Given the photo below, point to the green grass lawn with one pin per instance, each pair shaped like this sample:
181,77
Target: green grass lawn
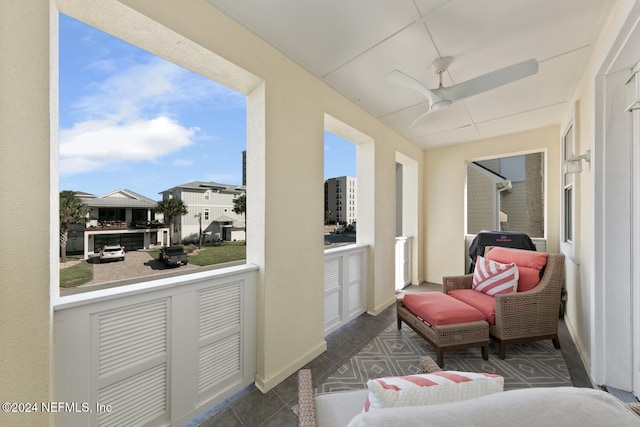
213,253
76,275
217,253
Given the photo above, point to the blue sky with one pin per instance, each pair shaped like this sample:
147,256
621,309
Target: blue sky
129,119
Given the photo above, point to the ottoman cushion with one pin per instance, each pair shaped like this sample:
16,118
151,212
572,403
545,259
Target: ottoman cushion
481,301
437,308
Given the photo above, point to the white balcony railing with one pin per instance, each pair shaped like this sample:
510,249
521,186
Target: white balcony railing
158,353
403,261
163,352
345,285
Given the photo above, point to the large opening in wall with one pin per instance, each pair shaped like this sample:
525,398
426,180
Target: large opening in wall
340,191
152,153
406,225
507,194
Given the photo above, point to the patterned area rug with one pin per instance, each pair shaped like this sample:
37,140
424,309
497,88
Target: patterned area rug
394,352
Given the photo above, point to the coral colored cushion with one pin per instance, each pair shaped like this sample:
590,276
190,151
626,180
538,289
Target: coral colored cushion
430,389
530,264
484,303
437,308
494,278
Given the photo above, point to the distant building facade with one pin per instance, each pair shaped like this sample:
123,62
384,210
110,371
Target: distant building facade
120,217
210,209
340,200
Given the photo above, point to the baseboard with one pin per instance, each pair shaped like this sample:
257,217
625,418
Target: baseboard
382,307
579,346
266,384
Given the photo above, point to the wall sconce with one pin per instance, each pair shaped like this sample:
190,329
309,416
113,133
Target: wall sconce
632,87
574,163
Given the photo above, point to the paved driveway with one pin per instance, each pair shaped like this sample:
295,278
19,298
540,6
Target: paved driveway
138,266
135,264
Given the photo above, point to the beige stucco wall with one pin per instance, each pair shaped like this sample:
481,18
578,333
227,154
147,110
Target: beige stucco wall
25,314
445,178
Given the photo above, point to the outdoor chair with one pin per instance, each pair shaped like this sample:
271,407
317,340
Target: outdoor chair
526,316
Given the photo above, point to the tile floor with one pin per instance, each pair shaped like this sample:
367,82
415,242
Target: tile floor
251,407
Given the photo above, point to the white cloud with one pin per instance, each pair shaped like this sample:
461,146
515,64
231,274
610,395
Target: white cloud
144,89
130,115
92,145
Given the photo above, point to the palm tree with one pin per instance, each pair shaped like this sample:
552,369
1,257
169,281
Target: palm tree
171,209
240,208
72,211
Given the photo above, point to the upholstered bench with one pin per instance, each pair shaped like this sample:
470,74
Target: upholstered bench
444,322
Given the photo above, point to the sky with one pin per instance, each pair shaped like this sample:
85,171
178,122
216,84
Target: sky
131,120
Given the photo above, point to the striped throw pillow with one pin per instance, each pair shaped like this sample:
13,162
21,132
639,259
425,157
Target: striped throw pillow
494,278
430,389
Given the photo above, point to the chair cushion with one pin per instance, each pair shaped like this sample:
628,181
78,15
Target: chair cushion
493,278
482,302
437,308
530,407
430,389
530,264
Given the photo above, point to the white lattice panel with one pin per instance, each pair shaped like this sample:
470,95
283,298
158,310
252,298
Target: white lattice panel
218,361
131,335
135,400
355,267
219,309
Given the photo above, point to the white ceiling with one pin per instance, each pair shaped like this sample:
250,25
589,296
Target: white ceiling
353,44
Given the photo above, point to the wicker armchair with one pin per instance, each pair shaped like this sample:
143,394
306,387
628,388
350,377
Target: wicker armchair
524,316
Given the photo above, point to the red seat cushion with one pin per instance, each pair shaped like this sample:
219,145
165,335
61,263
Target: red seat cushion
529,264
437,308
482,302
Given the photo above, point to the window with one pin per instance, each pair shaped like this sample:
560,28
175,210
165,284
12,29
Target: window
568,193
206,195
206,214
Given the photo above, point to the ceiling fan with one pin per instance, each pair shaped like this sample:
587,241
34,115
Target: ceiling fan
443,97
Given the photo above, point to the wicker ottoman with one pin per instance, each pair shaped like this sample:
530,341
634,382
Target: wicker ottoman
439,323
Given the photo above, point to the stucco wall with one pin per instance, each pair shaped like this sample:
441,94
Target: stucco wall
25,313
445,172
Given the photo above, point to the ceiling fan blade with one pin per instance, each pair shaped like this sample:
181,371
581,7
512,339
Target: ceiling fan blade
489,81
421,118
402,79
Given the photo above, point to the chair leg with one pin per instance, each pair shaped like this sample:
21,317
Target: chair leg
399,323
440,357
485,351
556,342
502,349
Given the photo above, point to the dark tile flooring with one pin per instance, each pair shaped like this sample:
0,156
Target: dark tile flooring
251,407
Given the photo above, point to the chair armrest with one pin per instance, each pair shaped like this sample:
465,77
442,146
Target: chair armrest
450,283
306,400
526,313
428,365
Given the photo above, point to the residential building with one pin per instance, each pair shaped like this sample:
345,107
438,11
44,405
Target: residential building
341,199
210,211
587,51
123,217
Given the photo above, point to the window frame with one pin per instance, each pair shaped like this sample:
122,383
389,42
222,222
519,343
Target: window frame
568,185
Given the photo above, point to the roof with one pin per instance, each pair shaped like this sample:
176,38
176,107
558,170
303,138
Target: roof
203,186
120,198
